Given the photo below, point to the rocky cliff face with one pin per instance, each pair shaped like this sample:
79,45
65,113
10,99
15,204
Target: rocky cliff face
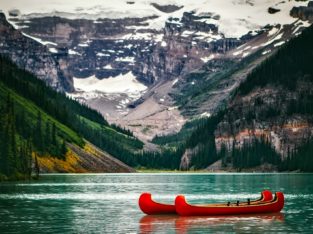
204,90
104,48
274,103
264,114
187,44
32,56
107,47
270,109
303,12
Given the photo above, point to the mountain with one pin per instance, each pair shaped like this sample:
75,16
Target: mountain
268,120
275,104
151,66
44,130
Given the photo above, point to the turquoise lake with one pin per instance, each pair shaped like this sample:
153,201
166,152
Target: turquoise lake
107,203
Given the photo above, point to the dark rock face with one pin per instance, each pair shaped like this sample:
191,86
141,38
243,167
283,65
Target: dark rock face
302,12
192,22
32,56
272,10
104,48
246,121
167,8
183,48
14,12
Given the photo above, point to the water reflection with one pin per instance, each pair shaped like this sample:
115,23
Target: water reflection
180,224
156,223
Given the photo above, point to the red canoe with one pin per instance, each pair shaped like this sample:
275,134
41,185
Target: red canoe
150,207
185,209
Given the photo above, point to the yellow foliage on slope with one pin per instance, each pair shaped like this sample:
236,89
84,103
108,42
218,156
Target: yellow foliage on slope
69,165
90,149
82,160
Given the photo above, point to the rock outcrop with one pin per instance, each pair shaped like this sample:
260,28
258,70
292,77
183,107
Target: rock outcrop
273,10
32,56
167,8
256,116
185,162
303,12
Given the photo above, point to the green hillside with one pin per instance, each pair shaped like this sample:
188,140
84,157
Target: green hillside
36,120
290,72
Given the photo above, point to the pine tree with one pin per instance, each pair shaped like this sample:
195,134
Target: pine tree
63,149
37,170
47,133
54,135
38,133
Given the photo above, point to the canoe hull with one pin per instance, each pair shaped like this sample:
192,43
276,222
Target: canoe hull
185,209
150,207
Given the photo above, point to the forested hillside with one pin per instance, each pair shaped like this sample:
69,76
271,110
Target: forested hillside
268,120
290,73
36,120
39,122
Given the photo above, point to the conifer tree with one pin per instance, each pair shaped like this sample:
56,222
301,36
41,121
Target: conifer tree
38,132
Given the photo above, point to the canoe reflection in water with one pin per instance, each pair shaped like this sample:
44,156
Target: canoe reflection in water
186,224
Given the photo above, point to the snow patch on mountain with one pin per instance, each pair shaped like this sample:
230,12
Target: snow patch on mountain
123,83
279,43
39,40
125,59
236,17
266,52
108,67
276,38
53,50
205,114
208,58
175,81
73,52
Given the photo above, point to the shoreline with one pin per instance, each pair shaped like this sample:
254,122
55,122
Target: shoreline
159,172
177,172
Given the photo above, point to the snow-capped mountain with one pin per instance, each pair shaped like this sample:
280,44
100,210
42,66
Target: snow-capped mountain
234,18
129,58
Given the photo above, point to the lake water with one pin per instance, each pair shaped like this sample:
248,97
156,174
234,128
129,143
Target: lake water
107,203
